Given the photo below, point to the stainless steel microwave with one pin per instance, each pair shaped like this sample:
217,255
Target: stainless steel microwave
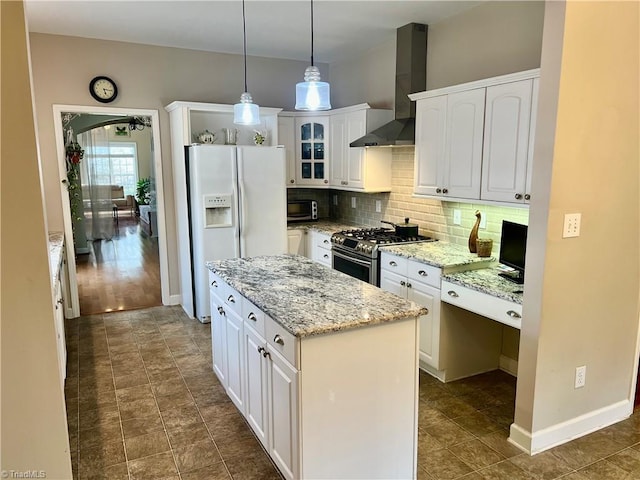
302,210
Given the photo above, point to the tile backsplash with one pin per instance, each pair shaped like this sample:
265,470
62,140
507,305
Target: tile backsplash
434,217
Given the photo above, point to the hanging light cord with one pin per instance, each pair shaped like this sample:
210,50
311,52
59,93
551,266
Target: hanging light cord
244,40
311,33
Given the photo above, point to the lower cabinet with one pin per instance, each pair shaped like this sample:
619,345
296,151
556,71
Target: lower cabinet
419,283
319,425
297,241
320,244
59,327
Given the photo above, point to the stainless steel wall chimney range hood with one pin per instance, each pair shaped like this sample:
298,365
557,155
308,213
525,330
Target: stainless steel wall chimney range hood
411,77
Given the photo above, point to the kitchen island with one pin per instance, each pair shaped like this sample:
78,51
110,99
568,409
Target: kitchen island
322,366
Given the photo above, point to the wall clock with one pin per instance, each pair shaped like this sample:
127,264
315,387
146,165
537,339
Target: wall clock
103,89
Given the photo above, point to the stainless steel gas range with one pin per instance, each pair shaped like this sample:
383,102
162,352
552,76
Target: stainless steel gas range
356,252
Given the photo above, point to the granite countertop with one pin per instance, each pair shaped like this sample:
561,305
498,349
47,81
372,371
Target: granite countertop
56,242
307,298
448,256
324,226
486,280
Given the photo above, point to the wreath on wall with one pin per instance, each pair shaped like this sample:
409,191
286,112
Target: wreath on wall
74,154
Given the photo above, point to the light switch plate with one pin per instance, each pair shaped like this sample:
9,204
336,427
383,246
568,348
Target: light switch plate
483,220
378,206
571,226
457,217
353,202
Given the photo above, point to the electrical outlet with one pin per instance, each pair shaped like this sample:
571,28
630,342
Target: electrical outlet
353,202
457,217
378,206
581,376
483,220
571,225
335,199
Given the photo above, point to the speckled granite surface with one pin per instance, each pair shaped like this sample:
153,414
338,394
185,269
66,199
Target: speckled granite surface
307,298
448,256
324,226
56,241
486,280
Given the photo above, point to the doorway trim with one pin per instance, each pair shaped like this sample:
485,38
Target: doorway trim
73,310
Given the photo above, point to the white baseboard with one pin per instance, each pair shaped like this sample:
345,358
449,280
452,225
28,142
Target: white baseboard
509,365
174,300
564,432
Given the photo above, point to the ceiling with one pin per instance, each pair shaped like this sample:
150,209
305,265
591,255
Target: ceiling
275,29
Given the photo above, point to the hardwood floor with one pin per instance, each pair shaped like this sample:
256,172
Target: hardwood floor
120,274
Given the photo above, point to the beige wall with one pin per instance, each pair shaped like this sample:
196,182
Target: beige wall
148,77
581,300
34,427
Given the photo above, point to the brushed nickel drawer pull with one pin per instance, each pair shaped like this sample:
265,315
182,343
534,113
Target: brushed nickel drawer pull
252,317
513,314
393,264
231,299
422,273
278,339
214,284
453,293
221,311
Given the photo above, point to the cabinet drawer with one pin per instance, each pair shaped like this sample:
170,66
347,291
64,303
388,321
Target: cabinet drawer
233,299
483,304
394,263
253,316
216,287
282,341
424,273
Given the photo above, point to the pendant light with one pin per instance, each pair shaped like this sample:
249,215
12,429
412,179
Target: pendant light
246,112
312,94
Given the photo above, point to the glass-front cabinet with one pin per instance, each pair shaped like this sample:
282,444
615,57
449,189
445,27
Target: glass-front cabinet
312,164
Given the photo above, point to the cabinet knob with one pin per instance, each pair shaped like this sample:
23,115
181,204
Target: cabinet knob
453,294
214,284
518,196
291,181
326,181
403,283
266,354
326,241
260,350
527,196
221,311
252,317
438,190
231,299
445,191
513,314
325,255
408,285
422,273
60,301
278,339
393,264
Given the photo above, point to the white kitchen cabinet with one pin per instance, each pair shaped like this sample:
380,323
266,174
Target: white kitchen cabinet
308,399
532,135
506,142
312,151
286,138
297,241
469,147
358,168
234,338
321,248
421,284
59,326
450,164
218,328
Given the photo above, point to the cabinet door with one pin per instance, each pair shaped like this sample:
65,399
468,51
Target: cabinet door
356,127
532,136
235,358
339,162
428,297
218,339
296,242
287,138
312,151
283,421
506,141
321,248
463,144
256,403
59,328
394,283
431,115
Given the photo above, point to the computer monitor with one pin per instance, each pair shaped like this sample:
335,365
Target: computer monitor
513,247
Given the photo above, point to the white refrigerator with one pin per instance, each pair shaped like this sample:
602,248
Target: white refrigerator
236,207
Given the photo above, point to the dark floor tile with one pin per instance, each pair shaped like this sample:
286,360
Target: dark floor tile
543,466
101,456
504,471
181,417
628,460
139,392
95,437
104,415
142,425
245,448
476,454
137,408
154,467
124,348
498,441
180,437
211,412
243,469
112,472
175,400
131,380
604,470
444,465
169,387
196,455
477,423
587,450
448,433
217,471
90,400
145,445
452,407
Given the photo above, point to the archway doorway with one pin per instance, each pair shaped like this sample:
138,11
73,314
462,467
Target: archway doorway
125,222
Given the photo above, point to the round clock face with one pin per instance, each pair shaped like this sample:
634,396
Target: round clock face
103,89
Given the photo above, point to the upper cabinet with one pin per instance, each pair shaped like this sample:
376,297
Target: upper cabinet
319,155
475,141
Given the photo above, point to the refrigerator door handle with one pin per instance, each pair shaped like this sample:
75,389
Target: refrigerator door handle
237,194
241,209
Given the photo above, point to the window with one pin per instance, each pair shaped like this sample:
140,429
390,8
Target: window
115,164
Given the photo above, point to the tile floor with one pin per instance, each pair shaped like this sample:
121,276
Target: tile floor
143,403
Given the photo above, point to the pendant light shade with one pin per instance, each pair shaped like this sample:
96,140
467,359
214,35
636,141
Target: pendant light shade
246,112
312,94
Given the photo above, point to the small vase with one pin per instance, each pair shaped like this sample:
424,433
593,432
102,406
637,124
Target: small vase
473,236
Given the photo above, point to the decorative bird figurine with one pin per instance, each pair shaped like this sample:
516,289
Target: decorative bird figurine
473,236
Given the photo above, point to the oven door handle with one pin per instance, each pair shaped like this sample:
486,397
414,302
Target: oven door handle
364,263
